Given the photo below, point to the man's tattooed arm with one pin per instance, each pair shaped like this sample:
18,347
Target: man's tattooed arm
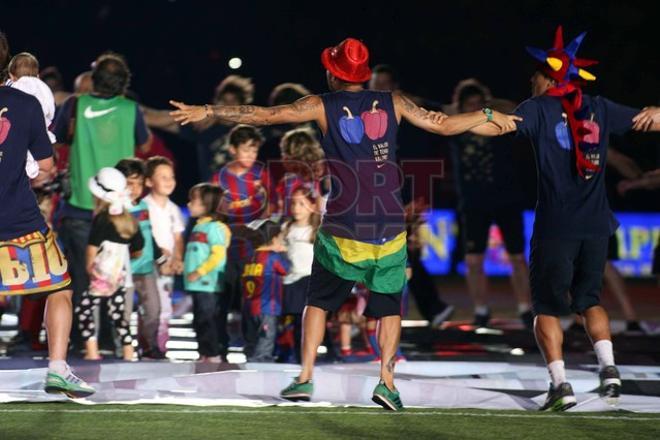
305,109
410,109
436,122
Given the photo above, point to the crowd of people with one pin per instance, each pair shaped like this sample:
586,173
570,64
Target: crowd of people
102,139
275,229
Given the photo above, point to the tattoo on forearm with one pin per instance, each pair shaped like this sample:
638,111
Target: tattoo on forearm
306,104
411,108
251,114
246,109
237,113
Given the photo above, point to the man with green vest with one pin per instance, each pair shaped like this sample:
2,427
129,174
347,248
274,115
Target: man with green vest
102,128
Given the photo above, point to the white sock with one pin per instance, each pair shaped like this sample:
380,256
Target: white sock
604,353
481,310
59,367
557,373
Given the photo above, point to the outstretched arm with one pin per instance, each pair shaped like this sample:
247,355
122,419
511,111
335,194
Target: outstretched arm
647,120
159,119
648,181
442,124
491,129
309,108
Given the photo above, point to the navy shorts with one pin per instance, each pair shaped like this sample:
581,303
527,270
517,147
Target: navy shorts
327,291
295,297
566,276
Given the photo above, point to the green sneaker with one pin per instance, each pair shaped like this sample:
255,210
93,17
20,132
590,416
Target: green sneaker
69,385
387,398
298,391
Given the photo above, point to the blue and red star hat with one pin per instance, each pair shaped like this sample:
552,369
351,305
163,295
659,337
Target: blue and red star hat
560,63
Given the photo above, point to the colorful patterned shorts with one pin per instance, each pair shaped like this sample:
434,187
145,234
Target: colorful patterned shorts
32,264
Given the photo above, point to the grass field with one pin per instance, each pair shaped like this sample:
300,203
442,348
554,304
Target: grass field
155,422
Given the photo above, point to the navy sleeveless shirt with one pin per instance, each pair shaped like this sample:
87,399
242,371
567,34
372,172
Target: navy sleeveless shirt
360,148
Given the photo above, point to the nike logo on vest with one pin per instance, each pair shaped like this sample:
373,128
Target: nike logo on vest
91,114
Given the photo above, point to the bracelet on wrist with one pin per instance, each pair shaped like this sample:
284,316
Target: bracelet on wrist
488,112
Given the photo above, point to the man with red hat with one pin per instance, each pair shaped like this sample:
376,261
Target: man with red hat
362,238
573,221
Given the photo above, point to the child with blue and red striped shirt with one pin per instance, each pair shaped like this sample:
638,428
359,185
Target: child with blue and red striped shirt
246,196
262,283
244,181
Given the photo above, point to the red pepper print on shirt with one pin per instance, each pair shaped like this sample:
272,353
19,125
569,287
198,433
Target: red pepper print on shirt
375,122
5,126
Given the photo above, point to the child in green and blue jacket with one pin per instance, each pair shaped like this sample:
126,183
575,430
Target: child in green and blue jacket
204,266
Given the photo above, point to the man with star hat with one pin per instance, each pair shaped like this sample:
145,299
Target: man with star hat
362,238
569,131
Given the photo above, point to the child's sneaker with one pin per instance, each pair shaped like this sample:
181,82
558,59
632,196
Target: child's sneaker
154,354
481,320
69,385
442,317
298,391
387,398
346,352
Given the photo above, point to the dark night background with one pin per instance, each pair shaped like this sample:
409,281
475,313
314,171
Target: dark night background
179,49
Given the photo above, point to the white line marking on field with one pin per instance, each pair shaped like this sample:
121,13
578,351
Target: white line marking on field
325,412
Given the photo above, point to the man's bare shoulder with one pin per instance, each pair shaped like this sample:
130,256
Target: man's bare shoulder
308,103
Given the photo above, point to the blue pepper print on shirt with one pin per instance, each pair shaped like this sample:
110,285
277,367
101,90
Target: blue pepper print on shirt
561,132
351,128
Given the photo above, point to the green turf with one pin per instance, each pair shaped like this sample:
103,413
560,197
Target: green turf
155,422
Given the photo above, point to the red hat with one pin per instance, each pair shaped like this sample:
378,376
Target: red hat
348,61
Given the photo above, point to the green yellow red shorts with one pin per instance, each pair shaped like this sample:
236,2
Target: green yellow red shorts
32,264
380,267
